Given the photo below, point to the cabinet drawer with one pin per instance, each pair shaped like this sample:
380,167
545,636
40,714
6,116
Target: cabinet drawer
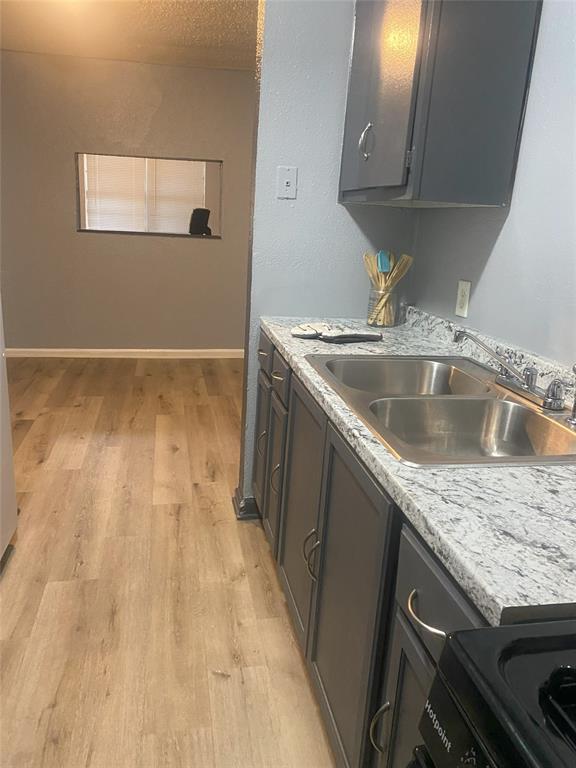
428,596
265,353
280,376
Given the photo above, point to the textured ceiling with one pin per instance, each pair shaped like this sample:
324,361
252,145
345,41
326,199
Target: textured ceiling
194,33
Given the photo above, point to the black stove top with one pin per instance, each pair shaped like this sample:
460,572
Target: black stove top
516,687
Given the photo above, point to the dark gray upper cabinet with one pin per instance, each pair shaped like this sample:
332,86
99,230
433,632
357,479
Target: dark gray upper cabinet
301,501
352,569
436,99
275,467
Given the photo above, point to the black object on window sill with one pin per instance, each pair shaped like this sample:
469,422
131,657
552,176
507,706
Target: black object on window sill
199,222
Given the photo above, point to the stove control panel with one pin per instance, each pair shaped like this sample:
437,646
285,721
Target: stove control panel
447,736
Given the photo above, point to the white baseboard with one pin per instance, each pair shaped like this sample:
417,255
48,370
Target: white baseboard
149,354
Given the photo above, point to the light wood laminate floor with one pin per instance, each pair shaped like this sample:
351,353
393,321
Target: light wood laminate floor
141,624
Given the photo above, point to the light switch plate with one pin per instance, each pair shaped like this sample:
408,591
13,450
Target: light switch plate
463,298
286,182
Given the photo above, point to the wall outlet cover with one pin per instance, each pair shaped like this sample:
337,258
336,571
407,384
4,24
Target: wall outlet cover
463,298
286,182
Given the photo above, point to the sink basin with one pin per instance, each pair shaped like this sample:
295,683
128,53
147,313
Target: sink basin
445,410
429,430
395,377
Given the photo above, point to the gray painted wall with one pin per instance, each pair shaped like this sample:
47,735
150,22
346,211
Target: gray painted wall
67,289
522,263
307,252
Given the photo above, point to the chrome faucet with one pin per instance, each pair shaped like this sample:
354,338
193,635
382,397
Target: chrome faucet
523,382
505,365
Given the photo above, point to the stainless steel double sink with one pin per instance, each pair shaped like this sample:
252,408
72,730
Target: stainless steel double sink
445,410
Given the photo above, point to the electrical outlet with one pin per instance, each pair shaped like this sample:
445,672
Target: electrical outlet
286,182
463,298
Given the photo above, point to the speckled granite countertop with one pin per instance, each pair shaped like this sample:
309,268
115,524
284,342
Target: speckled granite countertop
506,534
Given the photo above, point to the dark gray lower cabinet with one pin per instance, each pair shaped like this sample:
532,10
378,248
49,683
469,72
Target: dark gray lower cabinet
261,440
301,500
345,567
277,423
358,531
408,679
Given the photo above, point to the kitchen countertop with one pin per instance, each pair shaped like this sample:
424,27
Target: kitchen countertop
506,534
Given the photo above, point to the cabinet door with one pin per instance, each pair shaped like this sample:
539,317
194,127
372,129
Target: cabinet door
352,597
408,679
358,103
276,443
381,93
261,440
301,500
478,88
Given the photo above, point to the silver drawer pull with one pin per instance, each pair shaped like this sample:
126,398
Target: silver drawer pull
276,376
306,540
260,436
261,353
418,620
311,573
272,486
373,723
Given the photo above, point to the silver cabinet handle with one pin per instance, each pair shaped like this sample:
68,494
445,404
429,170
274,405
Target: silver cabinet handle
272,486
260,436
418,620
308,566
275,375
261,353
373,723
362,141
306,540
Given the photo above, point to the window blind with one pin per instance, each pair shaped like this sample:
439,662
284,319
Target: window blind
114,192
137,194
175,188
